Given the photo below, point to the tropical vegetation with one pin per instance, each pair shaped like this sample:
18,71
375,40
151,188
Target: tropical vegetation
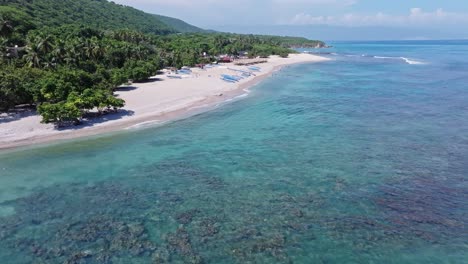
100,14
69,71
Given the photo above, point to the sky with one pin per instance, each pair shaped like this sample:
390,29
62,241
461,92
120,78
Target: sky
414,19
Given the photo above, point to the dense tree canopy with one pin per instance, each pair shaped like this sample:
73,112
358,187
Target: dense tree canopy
95,13
179,25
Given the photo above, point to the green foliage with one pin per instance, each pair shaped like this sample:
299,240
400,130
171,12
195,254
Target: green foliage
118,77
293,42
179,25
186,49
94,13
14,25
138,71
18,86
59,113
72,110
263,51
13,18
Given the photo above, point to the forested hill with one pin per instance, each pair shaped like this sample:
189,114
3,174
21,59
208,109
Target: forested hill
98,14
179,25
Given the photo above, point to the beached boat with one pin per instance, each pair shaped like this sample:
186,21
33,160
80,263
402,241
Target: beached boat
174,77
228,80
231,77
184,71
238,77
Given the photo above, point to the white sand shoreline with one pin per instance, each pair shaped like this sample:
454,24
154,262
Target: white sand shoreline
148,104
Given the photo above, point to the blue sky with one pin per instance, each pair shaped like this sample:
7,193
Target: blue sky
449,15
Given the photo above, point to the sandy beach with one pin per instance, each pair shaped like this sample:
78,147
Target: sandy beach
155,102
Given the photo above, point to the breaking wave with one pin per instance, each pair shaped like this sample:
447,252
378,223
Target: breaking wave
407,60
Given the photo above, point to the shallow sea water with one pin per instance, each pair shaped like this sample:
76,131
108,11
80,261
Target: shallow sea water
362,159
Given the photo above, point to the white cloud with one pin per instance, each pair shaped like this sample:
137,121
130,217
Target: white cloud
416,17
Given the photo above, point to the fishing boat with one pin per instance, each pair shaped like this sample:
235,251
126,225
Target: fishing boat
238,77
228,80
184,71
253,68
231,77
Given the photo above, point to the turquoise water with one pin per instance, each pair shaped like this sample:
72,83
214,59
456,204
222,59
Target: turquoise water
359,160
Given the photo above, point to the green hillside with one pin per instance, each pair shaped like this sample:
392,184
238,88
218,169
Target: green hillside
179,25
93,13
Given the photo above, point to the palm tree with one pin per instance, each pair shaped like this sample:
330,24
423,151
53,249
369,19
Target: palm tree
219,43
32,57
6,27
72,52
3,48
138,52
98,50
49,64
87,49
39,52
45,45
59,52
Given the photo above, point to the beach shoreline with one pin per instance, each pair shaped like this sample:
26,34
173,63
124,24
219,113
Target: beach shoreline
157,102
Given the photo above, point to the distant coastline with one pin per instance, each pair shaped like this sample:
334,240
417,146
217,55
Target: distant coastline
155,102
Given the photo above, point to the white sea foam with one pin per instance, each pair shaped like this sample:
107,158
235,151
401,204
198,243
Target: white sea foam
247,92
236,97
144,124
412,62
383,57
242,95
409,61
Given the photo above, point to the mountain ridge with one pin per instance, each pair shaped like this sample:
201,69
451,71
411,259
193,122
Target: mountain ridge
100,14
180,25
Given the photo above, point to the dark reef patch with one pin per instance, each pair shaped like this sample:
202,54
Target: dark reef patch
434,209
202,219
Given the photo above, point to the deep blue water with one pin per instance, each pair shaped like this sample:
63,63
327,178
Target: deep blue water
363,159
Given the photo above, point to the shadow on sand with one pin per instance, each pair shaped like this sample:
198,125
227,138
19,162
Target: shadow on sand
96,120
131,87
150,80
125,89
16,115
